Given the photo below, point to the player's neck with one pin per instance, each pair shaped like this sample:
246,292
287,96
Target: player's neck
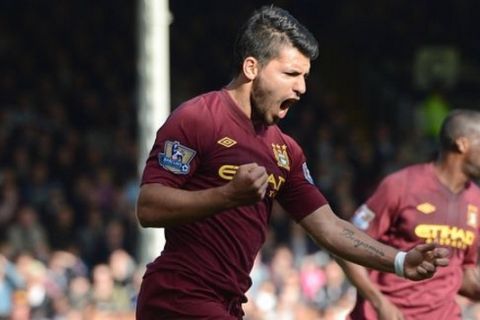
449,172
239,91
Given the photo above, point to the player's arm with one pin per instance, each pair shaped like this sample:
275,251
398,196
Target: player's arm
359,278
161,206
346,241
471,284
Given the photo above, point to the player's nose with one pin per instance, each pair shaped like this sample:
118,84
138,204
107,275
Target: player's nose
300,86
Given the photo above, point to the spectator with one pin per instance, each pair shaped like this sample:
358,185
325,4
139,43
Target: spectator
106,296
26,234
10,281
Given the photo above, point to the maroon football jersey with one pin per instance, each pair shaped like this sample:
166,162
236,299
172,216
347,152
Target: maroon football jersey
201,146
411,207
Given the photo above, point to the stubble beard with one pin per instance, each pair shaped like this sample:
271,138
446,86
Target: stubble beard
259,102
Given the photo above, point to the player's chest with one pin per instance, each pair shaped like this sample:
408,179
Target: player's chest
233,149
446,219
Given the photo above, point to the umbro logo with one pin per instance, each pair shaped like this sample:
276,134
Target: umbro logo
227,142
426,208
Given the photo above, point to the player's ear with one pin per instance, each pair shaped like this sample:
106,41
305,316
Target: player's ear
462,144
250,68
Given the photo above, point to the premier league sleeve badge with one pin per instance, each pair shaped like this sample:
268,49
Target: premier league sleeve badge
176,157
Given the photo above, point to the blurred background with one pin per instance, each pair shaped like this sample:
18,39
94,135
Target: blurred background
70,245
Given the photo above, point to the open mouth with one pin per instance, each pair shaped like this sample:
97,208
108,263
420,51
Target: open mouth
287,104
284,106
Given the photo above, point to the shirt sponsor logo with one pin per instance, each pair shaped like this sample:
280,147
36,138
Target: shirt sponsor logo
227,142
228,171
281,155
472,216
426,208
445,235
176,157
362,217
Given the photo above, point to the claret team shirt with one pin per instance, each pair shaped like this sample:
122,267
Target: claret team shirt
201,146
411,207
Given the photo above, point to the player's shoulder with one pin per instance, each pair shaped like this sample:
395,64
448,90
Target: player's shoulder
474,189
417,169
284,137
199,111
472,196
292,145
199,103
408,174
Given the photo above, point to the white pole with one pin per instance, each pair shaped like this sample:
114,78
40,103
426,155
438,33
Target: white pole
153,96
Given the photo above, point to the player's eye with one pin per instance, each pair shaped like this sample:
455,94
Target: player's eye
292,73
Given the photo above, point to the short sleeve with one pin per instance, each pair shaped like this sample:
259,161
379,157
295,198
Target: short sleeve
178,147
300,196
378,213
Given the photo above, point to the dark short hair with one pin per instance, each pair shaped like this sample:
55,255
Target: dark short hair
458,123
267,29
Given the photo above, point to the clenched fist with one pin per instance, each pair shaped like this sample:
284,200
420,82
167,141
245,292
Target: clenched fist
248,186
422,261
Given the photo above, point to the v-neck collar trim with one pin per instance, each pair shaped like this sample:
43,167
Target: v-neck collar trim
443,187
239,116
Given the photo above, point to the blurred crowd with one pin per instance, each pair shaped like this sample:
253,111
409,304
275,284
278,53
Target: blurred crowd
69,172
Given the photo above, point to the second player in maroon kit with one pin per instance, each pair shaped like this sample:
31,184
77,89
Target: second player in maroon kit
411,207
425,203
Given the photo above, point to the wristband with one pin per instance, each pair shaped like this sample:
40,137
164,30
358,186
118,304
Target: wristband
399,263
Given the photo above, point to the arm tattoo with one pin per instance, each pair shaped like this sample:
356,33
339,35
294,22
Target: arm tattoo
358,243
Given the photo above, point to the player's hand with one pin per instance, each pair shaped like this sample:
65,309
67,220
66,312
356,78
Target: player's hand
249,184
388,311
422,261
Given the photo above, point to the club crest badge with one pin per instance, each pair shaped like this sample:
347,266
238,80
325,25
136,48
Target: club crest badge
472,216
281,155
176,157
